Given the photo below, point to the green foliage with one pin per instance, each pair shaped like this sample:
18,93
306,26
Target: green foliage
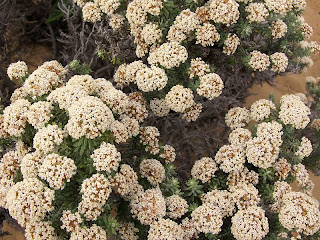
77,68
193,189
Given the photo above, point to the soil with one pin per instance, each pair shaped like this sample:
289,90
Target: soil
35,54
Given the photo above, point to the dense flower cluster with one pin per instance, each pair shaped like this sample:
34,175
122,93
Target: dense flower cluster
85,165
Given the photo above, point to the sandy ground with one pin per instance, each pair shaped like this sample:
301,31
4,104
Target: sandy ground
288,84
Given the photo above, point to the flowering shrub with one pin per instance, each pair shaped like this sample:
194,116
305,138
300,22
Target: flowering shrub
79,152
174,39
86,166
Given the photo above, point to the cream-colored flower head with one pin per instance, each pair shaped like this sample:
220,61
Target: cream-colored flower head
279,29
299,4
257,12
293,111
9,164
279,62
148,206
106,158
151,79
15,117
40,230
125,182
55,67
261,152
279,6
57,170
204,169
168,153
29,200
211,86
179,98
231,44
30,164
128,231
259,61
91,12
153,170
222,199
41,81
149,137
261,109
159,107
240,136
108,6
207,35
85,81
47,138
245,195
89,117
94,232
65,96
165,229
17,70
231,158
169,55
71,222
176,206
283,168
305,148
151,33
198,68
192,113
300,212
237,117
207,218
224,11
250,223
116,21
39,114
242,177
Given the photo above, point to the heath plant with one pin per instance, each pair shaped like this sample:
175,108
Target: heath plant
78,154
86,166
185,49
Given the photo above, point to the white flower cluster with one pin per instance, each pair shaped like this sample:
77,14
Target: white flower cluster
89,117
259,61
250,223
176,206
95,192
149,205
179,98
153,170
47,138
257,12
279,29
211,86
300,212
29,201
231,44
57,170
293,111
237,117
17,70
279,62
198,68
261,109
106,158
204,169
169,55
